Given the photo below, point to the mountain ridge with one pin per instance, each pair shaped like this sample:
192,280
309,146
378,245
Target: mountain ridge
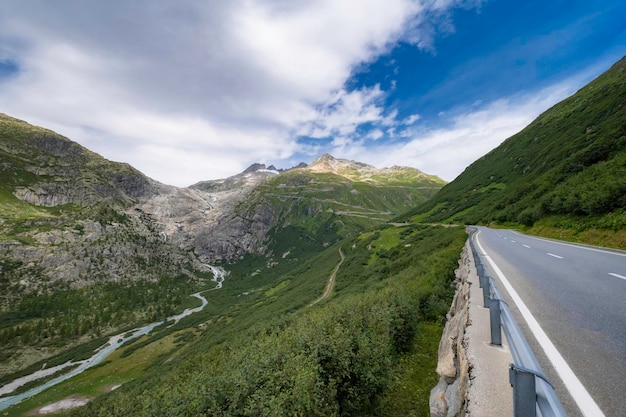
77,226
563,174
84,265
57,171
359,171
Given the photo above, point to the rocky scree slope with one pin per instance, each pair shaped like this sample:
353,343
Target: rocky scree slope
228,218
71,216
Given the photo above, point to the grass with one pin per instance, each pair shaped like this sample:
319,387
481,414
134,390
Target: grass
249,307
414,376
94,382
569,163
385,239
593,236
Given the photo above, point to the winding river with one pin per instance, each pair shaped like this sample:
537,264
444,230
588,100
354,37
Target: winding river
114,343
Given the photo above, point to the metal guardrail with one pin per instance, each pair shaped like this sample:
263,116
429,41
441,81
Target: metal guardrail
533,395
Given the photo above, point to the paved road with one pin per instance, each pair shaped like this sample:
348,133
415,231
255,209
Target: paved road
578,296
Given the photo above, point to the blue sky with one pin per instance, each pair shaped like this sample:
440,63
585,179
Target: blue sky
193,90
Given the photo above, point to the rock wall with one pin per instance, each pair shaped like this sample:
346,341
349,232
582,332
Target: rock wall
449,397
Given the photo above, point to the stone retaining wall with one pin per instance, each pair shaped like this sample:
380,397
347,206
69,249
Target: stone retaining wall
449,397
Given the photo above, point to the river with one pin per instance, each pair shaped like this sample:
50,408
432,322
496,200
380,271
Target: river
219,274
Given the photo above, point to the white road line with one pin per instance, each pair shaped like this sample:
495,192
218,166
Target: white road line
576,389
556,256
616,252
512,241
526,246
617,275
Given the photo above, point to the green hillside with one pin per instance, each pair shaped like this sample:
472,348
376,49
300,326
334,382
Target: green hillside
83,257
47,169
262,347
333,206
564,174
74,265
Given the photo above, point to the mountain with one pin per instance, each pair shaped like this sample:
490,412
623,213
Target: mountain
228,218
332,199
567,169
360,172
88,246
63,207
43,168
77,256
252,176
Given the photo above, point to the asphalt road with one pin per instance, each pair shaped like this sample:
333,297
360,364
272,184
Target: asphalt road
578,296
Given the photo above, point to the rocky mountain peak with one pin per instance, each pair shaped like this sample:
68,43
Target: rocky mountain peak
329,164
254,168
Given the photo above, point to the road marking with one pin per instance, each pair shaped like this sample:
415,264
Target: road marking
512,241
615,252
526,246
617,275
556,256
576,389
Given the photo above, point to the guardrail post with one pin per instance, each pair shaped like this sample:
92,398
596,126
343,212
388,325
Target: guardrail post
524,394
480,270
486,290
494,319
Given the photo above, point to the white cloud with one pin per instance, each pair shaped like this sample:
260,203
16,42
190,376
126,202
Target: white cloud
228,81
447,150
411,119
193,90
375,134
344,112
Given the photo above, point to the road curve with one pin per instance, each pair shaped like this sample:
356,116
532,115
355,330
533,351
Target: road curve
577,294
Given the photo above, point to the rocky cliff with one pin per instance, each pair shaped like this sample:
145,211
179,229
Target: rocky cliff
73,216
50,170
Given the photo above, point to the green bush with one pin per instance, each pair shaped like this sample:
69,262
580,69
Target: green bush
336,358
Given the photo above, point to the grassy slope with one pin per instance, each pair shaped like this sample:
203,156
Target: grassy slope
566,170
259,345
40,316
332,205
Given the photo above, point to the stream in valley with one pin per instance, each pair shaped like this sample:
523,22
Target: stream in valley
114,343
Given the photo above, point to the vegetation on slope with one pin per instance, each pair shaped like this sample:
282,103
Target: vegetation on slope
78,263
567,169
74,264
324,202
338,357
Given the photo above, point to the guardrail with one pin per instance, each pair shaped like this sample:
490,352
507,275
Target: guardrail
533,395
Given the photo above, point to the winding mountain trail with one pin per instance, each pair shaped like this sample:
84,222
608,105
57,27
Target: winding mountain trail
331,280
115,342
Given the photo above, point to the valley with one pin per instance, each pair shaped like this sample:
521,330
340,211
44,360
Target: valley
239,313
115,342
334,278
84,262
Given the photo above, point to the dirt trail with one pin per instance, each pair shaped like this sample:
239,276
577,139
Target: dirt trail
331,280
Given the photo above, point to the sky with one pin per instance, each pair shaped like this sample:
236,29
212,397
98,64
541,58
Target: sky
192,90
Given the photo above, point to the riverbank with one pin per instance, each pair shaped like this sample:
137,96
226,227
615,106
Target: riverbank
114,342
